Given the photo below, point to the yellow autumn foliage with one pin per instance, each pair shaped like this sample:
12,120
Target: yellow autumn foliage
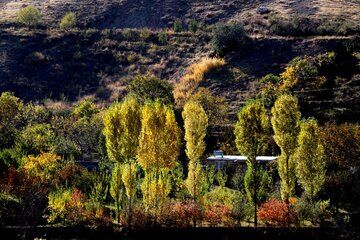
195,75
42,166
159,137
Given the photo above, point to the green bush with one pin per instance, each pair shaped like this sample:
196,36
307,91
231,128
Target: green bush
145,34
129,34
68,21
36,138
193,26
178,26
149,87
162,37
315,212
227,37
29,16
85,109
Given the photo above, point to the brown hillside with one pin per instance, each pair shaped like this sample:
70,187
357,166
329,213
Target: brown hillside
161,13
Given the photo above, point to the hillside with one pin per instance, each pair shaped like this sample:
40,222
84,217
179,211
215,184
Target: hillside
100,57
162,13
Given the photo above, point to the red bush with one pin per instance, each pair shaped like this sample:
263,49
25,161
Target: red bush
277,213
181,214
218,215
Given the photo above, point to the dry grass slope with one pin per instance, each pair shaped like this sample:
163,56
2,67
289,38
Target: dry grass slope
162,13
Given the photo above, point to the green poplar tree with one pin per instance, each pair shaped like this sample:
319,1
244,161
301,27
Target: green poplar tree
310,159
286,125
195,124
251,137
117,189
122,129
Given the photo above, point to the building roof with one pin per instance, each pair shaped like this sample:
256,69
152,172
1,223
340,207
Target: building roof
235,158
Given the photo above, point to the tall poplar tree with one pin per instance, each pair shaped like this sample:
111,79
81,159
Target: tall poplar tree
286,125
117,189
310,159
122,129
195,124
251,133
158,151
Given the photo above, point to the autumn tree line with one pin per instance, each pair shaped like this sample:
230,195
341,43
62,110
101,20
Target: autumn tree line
150,147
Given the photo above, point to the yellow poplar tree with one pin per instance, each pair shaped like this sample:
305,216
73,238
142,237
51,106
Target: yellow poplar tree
195,124
251,137
122,129
286,124
117,189
310,157
159,137
158,150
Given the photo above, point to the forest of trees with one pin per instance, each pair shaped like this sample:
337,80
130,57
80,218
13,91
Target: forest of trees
138,162
150,148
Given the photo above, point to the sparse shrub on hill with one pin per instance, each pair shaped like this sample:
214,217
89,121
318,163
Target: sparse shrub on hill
162,37
145,34
148,87
178,26
130,34
29,16
68,21
227,37
305,26
301,73
193,26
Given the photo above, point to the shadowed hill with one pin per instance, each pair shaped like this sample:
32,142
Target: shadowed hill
161,13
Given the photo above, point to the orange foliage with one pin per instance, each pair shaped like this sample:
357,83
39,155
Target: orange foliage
218,215
277,213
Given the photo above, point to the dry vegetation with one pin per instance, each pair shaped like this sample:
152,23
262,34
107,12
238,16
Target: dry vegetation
162,13
195,75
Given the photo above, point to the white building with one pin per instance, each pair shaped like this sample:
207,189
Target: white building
219,160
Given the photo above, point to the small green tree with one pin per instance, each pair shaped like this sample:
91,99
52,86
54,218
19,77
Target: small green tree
35,139
286,124
227,37
117,189
251,137
193,26
29,16
310,159
178,26
85,109
149,87
68,21
11,108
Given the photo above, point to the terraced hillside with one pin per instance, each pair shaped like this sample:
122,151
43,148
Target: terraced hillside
100,57
161,13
